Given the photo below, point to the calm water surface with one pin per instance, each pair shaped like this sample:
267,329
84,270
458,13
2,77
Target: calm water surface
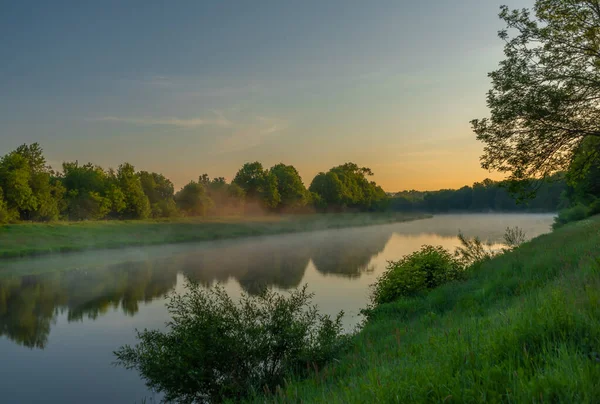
62,317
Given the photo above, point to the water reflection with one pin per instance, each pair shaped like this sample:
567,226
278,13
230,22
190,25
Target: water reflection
35,292
30,304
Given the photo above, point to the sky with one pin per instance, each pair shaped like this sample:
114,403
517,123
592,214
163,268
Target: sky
192,87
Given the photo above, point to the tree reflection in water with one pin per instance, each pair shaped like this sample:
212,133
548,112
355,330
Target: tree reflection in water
29,305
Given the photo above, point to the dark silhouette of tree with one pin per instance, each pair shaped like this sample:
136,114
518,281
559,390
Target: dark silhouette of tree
544,99
483,196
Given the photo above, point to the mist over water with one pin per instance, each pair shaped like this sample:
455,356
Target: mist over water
61,317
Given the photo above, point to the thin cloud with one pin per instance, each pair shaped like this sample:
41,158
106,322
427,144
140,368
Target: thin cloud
220,120
241,135
252,135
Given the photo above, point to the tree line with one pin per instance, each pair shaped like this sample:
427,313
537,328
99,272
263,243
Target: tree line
550,195
30,190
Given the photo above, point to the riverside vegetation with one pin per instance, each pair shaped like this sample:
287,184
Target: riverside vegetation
516,325
30,190
520,327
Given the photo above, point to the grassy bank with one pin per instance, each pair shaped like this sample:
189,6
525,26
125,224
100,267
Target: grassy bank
525,327
20,240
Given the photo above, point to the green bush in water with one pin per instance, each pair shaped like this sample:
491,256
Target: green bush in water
422,270
215,349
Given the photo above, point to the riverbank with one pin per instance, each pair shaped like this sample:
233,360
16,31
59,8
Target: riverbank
524,327
20,240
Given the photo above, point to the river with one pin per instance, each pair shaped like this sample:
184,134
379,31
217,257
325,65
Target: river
61,317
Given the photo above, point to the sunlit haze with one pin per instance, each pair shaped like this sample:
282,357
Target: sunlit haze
185,88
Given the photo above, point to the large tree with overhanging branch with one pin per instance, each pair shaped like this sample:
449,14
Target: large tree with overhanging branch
545,96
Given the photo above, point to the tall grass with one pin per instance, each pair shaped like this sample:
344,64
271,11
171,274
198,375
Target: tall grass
524,327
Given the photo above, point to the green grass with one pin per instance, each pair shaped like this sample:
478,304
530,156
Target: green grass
525,327
19,240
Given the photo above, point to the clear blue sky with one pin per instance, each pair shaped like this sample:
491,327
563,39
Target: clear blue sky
187,87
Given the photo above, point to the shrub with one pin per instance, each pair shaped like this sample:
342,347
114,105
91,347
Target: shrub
473,250
166,208
572,214
422,270
594,208
215,349
514,237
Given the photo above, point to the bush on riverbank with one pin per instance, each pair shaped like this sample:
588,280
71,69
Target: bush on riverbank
576,213
215,349
420,271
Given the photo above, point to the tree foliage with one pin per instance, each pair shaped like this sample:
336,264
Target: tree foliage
137,205
583,176
30,190
192,200
160,192
292,192
484,196
15,177
6,215
226,198
91,193
347,187
582,197
259,185
544,99
215,349
418,272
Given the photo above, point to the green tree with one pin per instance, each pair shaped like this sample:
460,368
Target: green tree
328,191
5,214
50,195
236,195
35,157
137,205
15,175
252,345
269,193
347,187
251,179
160,193
89,193
258,185
290,187
45,191
116,198
583,177
192,200
544,98
227,198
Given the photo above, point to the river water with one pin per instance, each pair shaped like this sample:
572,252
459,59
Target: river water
61,317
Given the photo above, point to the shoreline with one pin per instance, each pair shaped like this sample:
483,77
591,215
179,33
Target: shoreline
42,239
